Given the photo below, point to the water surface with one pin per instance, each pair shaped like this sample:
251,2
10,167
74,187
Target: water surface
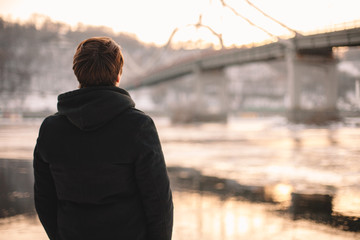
253,178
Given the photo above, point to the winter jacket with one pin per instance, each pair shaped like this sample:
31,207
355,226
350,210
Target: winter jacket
99,170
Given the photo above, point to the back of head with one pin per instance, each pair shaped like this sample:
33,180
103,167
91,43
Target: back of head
97,62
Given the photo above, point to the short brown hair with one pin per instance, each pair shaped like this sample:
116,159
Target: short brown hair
97,62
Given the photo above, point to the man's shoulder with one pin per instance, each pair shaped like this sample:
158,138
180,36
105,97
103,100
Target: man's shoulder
50,124
135,114
54,118
131,123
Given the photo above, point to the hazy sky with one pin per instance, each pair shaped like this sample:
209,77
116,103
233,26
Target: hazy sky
154,20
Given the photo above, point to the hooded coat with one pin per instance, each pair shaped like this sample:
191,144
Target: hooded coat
99,170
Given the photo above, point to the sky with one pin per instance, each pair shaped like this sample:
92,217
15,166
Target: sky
153,21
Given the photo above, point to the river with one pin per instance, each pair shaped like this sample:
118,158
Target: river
252,178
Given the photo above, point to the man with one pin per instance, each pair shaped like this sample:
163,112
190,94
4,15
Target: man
98,164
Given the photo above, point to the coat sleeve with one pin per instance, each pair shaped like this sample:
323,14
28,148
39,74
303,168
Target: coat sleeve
153,182
44,192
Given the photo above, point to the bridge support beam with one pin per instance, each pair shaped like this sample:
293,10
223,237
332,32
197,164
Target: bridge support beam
316,76
208,101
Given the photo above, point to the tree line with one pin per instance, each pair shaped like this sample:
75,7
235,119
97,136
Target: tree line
37,55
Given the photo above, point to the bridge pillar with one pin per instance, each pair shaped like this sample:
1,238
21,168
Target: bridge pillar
293,97
209,98
317,70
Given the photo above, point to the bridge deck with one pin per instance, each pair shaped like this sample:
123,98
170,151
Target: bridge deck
237,56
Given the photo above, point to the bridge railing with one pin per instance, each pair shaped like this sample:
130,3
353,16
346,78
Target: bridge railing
326,29
334,27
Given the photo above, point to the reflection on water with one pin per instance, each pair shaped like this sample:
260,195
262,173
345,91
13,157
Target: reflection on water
206,208
249,179
209,217
204,216
21,227
278,198
16,183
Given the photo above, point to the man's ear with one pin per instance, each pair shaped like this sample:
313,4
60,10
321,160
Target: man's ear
118,79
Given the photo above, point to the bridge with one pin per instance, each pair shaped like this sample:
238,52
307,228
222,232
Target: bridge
300,54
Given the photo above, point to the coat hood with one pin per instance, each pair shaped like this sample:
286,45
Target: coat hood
92,107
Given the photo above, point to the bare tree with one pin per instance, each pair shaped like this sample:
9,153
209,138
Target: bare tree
199,24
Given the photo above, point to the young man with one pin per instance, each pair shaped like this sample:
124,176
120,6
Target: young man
98,164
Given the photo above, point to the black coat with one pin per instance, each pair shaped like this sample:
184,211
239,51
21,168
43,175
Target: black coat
100,171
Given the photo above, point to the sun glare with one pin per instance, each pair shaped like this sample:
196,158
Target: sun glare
154,21
282,192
